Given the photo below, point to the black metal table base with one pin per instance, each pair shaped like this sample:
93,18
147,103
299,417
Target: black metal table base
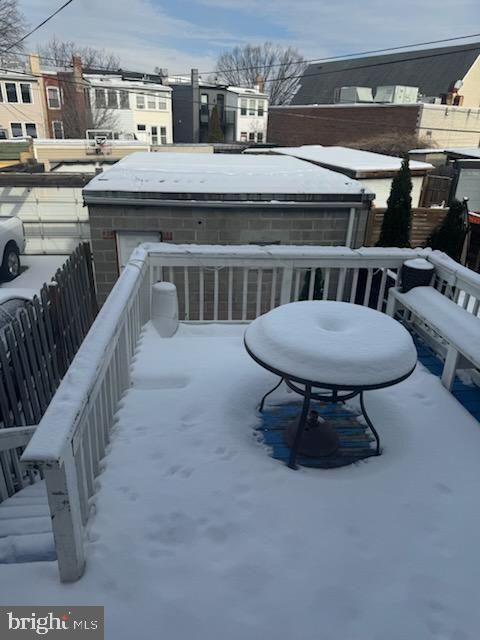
308,395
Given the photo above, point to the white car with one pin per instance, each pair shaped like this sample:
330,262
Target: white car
12,244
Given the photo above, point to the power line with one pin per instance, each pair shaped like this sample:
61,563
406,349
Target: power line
68,63
347,55
144,91
373,64
39,26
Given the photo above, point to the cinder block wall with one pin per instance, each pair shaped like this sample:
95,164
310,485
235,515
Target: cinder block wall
214,226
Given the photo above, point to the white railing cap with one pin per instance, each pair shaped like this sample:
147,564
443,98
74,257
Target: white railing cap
276,251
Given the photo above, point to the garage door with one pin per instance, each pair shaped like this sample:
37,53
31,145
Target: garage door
127,241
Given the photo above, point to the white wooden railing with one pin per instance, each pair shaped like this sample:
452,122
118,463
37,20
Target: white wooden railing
215,284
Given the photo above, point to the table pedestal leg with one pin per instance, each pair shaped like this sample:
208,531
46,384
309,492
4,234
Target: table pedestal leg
260,408
369,422
301,425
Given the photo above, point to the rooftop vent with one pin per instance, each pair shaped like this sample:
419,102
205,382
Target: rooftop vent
352,95
396,94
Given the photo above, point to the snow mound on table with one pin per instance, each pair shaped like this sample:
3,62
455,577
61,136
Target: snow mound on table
335,343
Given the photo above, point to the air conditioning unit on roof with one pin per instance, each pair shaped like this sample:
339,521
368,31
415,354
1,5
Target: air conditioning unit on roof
396,94
353,95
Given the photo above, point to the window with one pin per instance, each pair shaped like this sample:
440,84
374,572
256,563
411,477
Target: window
243,107
124,102
251,136
31,129
204,104
100,101
259,137
26,91
57,126
11,89
140,101
162,101
53,97
112,100
243,136
141,127
251,107
1,93
154,135
163,135
260,108
151,102
17,130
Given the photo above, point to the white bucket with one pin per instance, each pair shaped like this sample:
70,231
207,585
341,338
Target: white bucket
165,308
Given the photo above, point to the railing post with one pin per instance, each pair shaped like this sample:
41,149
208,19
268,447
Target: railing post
286,290
64,501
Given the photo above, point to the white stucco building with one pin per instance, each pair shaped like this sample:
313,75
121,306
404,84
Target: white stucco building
132,106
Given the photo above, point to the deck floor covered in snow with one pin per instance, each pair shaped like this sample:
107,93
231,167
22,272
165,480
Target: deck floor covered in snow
197,532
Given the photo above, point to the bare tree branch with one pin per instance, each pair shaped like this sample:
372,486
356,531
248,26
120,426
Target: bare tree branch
277,66
12,27
60,53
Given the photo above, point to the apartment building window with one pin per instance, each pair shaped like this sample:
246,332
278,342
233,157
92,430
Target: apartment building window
124,102
112,99
141,128
151,102
162,101
251,136
57,126
26,91
53,97
259,137
140,101
154,135
100,101
17,129
243,107
1,93
243,136
11,89
251,107
31,129
163,135
260,110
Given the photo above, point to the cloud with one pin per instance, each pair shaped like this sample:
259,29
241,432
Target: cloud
147,33
139,32
326,28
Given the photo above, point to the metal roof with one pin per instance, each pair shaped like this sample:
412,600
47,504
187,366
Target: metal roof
433,71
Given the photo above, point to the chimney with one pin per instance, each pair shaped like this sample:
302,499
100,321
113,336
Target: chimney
77,67
260,83
195,107
34,63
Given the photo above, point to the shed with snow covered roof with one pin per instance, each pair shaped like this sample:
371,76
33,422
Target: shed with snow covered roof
219,199
374,170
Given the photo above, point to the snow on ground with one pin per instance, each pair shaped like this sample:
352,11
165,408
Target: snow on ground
197,533
35,271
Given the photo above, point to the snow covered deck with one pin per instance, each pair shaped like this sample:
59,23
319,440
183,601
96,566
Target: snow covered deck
175,516
196,530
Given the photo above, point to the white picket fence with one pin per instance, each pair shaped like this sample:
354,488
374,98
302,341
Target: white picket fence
228,284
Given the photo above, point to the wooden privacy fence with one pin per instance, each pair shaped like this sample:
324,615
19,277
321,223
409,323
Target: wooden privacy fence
36,349
424,221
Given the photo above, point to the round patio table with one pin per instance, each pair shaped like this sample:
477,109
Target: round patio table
330,351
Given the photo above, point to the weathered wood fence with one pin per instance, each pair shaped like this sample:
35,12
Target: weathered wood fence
36,349
424,221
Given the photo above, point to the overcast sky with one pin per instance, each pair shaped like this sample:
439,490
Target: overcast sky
179,34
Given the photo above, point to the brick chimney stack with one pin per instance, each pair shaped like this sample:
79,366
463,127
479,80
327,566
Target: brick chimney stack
260,83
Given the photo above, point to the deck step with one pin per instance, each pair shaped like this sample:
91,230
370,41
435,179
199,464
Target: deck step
33,547
26,527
